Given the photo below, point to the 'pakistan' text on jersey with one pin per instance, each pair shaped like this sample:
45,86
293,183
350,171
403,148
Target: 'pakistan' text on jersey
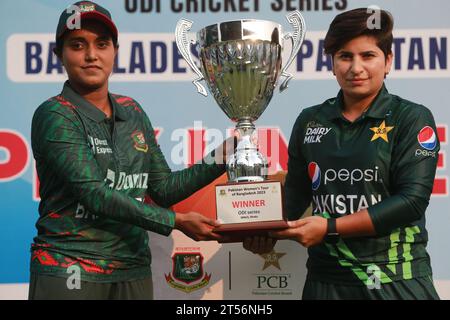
384,161
94,174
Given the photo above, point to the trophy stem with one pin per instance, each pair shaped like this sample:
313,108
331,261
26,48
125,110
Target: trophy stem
247,164
245,123
246,130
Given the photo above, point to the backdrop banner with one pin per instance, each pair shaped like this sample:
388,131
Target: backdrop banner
150,69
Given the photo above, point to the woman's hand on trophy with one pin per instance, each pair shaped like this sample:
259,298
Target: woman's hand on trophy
226,150
259,244
308,231
223,152
197,226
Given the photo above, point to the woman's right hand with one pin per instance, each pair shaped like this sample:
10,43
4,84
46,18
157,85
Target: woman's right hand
197,226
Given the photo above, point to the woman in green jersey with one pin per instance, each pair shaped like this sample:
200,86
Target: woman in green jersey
366,161
97,160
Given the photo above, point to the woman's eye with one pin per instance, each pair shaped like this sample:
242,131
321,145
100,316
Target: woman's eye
103,45
368,55
76,45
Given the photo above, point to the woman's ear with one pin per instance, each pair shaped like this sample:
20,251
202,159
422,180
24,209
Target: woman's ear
332,65
58,55
389,59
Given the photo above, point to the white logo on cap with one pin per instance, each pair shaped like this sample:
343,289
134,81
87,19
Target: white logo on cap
74,21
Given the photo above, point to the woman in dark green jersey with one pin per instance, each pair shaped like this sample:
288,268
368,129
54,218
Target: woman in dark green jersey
366,161
97,160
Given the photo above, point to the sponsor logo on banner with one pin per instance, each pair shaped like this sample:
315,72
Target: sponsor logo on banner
272,259
427,140
270,282
315,175
187,272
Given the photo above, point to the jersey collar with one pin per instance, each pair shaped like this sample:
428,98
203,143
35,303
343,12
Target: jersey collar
88,109
377,110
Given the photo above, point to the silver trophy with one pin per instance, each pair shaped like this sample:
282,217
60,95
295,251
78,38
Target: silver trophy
241,63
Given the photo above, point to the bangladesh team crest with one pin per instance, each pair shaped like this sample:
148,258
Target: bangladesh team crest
187,273
139,141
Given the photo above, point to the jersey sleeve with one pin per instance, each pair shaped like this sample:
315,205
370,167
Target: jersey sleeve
298,185
167,188
412,173
59,141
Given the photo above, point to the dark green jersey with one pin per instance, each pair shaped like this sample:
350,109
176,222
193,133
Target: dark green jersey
94,174
384,161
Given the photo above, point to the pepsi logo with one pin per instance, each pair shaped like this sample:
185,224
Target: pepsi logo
315,175
427,138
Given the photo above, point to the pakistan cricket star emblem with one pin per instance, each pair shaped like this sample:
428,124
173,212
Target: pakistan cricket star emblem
381,132
139,141
187,269
272,259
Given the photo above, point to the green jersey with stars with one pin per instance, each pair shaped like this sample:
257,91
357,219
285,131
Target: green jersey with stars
95,173
385,161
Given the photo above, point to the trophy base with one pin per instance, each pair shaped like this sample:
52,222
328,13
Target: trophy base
237,232
249,209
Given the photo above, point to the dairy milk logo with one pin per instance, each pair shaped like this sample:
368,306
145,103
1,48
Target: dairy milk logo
427,138
314,134
315,175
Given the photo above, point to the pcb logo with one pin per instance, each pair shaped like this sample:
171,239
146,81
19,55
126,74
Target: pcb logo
187,273
139,141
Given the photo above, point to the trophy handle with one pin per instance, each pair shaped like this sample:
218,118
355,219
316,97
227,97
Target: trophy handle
297,21
183,26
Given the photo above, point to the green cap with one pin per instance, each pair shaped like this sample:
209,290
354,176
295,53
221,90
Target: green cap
86,10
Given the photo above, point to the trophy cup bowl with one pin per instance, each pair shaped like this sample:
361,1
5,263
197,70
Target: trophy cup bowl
241,63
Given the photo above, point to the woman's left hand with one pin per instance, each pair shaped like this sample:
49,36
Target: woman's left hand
226,150
308,231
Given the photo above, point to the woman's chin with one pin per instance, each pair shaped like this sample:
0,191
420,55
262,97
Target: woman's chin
91,83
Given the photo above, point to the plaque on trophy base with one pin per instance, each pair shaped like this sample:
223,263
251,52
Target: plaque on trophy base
249,209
